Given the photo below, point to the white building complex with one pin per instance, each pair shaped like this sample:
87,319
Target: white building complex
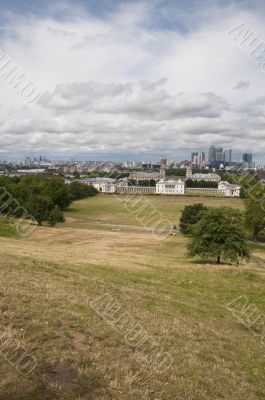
145,176
172,187
105,185
228,189
164,187
206,177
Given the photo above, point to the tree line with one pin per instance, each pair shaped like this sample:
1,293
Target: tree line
44,198
201,184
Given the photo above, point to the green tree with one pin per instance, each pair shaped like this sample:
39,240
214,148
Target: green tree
40,208
81,190
255,210
77,175
190,216
58,192
201,184
219,233
55,216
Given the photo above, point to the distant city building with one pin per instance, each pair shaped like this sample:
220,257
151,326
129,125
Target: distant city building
163,162
198,158
247,157
212,154
145,176
28,172
228,156
105,185
193,155
219,155
206,177
27,161
162,173
188,173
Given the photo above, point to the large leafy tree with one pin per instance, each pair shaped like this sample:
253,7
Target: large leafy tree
81,190
58,192
40,208
219,233
255,210
190,216
43,197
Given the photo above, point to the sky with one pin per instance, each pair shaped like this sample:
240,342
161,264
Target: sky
132,80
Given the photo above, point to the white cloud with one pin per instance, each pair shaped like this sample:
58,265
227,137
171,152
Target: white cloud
121,84
141,100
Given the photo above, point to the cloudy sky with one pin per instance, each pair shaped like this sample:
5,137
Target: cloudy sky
132,79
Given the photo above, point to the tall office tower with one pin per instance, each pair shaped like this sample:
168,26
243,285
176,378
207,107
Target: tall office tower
212,154
219,156
193,155
228,155
199,159
247,157
196,160
202,155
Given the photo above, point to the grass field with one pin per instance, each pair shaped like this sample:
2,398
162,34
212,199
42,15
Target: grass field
49,279
7,230
110,208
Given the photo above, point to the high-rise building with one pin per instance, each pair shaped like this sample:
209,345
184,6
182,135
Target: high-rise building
198,158
193,154
219,155
228,155
212,154
247,157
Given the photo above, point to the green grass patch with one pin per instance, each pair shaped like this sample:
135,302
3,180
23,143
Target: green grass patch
6,229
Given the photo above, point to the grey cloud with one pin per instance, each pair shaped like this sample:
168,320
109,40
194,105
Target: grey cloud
242,85
143,100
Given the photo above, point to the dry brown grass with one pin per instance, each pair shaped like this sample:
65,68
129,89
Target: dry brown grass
47,282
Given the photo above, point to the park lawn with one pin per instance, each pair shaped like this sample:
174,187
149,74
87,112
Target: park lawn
182,305
49,279
120,209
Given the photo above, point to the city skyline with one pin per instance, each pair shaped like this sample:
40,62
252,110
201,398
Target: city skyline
228,155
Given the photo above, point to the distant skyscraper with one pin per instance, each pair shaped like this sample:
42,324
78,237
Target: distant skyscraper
212,154
228,155
216,154
193,154
198,158
219,155
247,157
